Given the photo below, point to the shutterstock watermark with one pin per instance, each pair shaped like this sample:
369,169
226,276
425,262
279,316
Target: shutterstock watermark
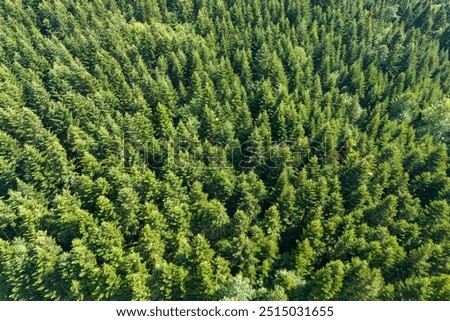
182,152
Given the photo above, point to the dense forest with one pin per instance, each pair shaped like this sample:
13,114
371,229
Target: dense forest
224,150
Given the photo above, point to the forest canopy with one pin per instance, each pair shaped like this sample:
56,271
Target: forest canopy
224,150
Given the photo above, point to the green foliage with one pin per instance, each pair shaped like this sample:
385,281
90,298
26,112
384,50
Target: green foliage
228,150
